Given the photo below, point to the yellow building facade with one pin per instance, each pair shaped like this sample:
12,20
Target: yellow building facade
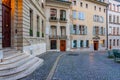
88,28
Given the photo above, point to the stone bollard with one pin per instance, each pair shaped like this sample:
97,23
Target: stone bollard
1,56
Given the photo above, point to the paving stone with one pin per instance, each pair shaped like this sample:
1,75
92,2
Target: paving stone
87,66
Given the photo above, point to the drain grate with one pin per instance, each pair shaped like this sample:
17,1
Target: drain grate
73,54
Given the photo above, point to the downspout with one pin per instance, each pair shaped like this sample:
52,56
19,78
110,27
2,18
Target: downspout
107,24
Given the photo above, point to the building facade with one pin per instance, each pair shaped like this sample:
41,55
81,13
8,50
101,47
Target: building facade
57,25
114,24
22,25
88,28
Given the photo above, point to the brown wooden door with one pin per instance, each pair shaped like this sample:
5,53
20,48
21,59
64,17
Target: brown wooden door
6,28
96,44
62,45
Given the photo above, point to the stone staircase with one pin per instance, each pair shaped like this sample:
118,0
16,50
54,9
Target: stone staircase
17,65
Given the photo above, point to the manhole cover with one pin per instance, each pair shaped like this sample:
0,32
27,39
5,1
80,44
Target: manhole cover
73,54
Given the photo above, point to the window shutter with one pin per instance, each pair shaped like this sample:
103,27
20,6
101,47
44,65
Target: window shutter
86,30
78,43
84,43
78,29
72,43
81,15
100,31
104,32
71,29
74,14
93,30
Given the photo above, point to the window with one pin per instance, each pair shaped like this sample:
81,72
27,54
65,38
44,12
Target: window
42,28
38,33
53,31
103,43
104,10
114,18
81,4
113,30
53,14
75,44
86,5
110,42
74,14
114,42
62,15
83,30
100,9
117,42
117,19
96,30
110,18
63,31
74,3
42,3
114,7
75,29
110,6
118,8
94,7
31,22
81,15
82,43
117,30
102,31
87,43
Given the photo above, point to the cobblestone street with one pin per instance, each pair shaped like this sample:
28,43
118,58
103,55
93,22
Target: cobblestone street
78,66
87,66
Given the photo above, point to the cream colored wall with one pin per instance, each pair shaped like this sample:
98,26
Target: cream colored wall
57,24
89,12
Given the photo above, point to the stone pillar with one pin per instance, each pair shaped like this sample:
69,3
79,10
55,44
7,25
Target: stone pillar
1,52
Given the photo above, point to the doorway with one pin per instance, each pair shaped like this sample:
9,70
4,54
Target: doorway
6,26
96,44
62,45
53,44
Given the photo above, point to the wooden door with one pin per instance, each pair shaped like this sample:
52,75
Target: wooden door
6,26
53,44
62,45
96,44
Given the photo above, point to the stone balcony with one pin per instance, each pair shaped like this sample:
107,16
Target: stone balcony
53,19
63,37
63,20
53,37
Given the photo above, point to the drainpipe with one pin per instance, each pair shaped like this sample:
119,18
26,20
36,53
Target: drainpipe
107,24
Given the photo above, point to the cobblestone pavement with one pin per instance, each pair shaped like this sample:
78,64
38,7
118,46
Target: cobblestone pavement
87,66
42,72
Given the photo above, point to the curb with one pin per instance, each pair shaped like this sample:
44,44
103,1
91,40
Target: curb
49,77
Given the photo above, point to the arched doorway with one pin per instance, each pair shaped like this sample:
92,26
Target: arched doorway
6,23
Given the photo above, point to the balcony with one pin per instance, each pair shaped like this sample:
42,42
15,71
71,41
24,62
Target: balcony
53,36
64,20
53,19
62,37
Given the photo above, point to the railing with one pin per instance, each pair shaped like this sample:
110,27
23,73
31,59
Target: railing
63,37
53,19
63,20
53,36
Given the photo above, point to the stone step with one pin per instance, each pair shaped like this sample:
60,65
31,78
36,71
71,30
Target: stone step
12,56
13,59
19,68
24,73
16,64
